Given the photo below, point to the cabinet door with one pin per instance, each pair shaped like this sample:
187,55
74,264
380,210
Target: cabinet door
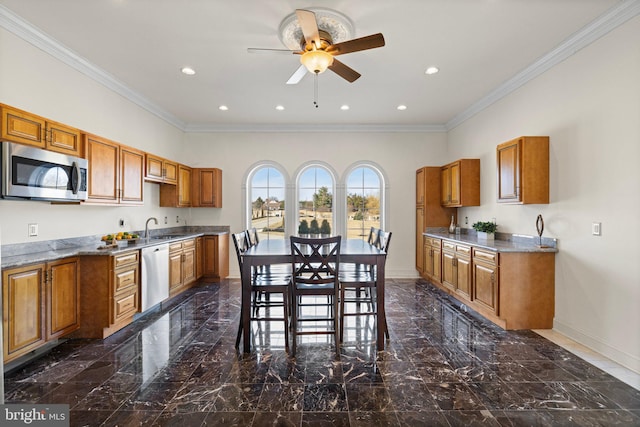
427,259
207,188
131,176
449,269
175,270
216,259
63,301
189,265
103,156
419,239
463,276
20,126
485,286
170,172
420,179
184,186
23,297
63,139
454,184
437,265
153,168
509,172
445,186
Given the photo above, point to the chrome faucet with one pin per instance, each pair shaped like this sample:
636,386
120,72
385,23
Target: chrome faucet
146,226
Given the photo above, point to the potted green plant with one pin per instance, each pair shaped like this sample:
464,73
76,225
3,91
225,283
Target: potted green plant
486,230
325,228
314,228
303,228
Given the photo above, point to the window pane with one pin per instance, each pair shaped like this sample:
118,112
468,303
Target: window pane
315,202
363,202
267,203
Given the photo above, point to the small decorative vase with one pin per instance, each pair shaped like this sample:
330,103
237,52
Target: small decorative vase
488,237
452,227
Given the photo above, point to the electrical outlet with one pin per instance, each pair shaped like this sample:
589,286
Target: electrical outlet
165,219
466,220
177,219
33,230
596,229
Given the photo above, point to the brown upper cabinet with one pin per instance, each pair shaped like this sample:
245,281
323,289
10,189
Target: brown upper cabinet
206,187
177,196
460,183
115,172
26,128
523,170
161,170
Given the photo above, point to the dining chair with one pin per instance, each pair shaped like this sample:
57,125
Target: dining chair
315,266
263,284
358,287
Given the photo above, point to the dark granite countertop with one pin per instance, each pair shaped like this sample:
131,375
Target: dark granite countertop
504,242
16,255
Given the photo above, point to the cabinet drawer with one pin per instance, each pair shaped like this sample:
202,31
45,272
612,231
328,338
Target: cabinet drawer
463,250
189,243
177,246
126,259
125,278
490,257
125,305
446,245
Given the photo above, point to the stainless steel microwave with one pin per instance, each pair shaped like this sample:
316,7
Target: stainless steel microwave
37,174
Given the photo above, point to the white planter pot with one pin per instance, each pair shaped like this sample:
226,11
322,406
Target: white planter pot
488,237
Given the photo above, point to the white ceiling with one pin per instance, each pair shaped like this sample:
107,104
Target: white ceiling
484,49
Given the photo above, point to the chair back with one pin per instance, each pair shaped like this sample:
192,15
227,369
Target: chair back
374,236
252,236
241,244
384,239
315,261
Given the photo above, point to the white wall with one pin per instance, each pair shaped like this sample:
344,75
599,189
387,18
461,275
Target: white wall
589,105
398,154
36,82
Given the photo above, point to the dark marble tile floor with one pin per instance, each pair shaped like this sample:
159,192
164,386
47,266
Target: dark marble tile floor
441,367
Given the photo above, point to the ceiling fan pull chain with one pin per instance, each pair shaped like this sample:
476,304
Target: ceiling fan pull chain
315,90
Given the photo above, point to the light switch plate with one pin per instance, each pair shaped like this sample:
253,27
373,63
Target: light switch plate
33,230
596,228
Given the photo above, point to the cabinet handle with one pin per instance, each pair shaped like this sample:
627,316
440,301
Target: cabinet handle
493,278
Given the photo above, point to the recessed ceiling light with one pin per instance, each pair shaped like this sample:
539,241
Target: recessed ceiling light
344,107
431,70
188,71
279,107
223,108
402,107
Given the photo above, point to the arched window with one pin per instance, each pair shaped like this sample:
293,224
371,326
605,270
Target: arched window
316,187
364,188
266,205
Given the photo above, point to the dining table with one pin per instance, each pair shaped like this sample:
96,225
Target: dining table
278,251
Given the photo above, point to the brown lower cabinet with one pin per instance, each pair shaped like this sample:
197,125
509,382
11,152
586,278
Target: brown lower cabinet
515,290
110,294
41,303
215,257
182,265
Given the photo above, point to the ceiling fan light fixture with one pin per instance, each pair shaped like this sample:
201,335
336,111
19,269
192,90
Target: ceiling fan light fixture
316,61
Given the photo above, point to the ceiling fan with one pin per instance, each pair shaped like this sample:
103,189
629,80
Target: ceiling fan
318,51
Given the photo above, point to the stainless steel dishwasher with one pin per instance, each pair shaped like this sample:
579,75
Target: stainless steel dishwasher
154,275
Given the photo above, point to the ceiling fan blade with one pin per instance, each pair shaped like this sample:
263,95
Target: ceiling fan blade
347,73
355,45
278,51
309,26
297,76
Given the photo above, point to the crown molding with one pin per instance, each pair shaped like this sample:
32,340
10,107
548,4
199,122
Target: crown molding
311,127
31,34
600,26
611,19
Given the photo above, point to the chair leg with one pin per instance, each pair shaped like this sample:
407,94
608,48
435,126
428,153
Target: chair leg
239,337
341,313
285,305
